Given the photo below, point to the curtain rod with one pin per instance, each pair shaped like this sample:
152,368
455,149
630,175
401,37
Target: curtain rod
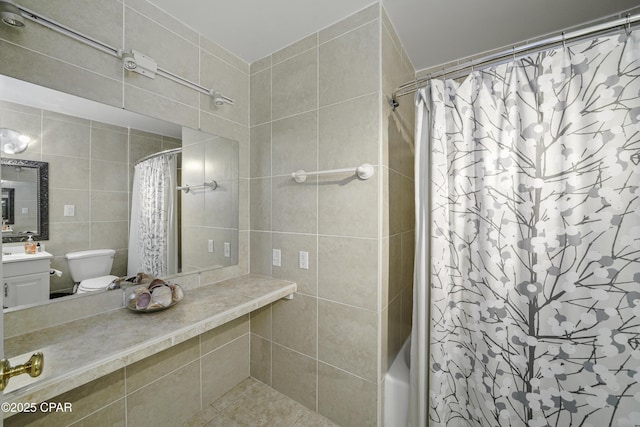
110,50
485,61
158,154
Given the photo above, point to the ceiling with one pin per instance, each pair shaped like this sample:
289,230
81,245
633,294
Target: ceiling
432,31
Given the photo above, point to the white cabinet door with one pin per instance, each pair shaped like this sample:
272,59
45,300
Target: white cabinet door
26,289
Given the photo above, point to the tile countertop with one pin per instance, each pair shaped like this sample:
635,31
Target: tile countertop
80,351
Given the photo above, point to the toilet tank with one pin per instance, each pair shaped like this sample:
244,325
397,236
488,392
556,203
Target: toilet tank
89,264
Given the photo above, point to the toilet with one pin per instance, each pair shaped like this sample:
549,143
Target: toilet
90,270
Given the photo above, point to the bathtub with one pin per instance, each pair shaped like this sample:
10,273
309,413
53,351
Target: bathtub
396,388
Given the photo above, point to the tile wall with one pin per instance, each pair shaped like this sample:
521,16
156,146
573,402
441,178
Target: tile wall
320,104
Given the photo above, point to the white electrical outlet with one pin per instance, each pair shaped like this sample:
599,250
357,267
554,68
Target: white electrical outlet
277,258
210,246
69,210
227,249
303,260
25,211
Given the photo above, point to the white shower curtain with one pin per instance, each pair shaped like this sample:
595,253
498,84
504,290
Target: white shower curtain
527,277
153,233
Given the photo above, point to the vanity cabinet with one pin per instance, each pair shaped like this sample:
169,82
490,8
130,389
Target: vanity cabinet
26,279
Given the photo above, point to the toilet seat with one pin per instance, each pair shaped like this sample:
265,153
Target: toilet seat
95,284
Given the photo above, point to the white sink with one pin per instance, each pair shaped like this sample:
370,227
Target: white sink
16,254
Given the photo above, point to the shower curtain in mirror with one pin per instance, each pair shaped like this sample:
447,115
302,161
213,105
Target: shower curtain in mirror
528,199
153,233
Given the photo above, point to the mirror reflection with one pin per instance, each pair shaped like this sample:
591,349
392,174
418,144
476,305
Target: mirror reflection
95,201
25,195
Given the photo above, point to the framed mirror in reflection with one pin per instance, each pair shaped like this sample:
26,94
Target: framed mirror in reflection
93,153
25,200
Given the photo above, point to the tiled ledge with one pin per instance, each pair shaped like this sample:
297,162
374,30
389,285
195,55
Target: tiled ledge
81,351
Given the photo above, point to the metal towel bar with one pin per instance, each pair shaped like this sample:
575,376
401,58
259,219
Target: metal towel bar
364,171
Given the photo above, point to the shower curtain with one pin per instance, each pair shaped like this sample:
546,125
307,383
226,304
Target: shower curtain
153,233
527,300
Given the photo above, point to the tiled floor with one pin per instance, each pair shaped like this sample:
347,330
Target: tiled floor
253,404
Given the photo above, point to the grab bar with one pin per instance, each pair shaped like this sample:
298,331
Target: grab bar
364,171
186,188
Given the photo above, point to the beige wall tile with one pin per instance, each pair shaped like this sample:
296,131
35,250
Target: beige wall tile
348,271
66,139
222,53
244,212
148,370
172,24
347,338
222,77
391,63
148,103
151,39
294,85
106,206
260,97
260,64
349,133
345,399
294,375
33,67
261,322
79,198
225,368
295,323
348,207
300,46
396,261
364,16
295,143
290,245
171,400
261,253
71,237
109,145
111,235
221,335
85,400
408,204
406,264
102,21
349,65
388,25
261,359
261,151
395,203
260,203
113,415
109,176
395,330
143,145
294,205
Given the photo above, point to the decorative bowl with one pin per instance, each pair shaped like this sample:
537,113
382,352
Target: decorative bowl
155,296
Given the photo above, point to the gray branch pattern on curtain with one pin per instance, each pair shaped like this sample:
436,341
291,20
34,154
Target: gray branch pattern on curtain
535,282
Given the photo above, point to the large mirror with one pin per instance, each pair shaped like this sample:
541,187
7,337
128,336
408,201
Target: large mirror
25,200
93,153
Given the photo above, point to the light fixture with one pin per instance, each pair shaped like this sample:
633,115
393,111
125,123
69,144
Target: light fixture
138,63
10,14
13,142
219,99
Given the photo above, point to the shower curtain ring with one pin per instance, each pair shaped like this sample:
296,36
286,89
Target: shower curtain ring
564,41
628,25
